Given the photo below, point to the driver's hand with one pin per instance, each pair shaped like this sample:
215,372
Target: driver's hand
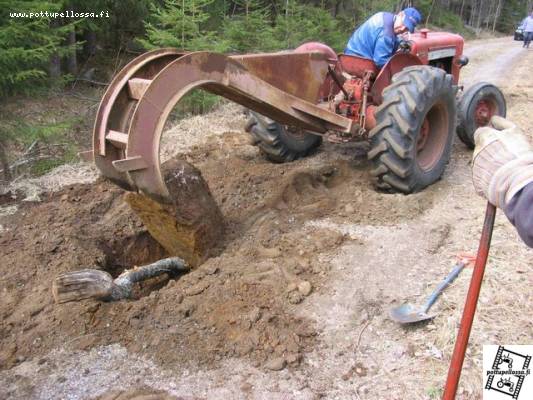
502,162
404,45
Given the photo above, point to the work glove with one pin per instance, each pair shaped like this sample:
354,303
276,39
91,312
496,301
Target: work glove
502,163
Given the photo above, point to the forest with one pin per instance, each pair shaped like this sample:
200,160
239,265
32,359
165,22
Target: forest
44,54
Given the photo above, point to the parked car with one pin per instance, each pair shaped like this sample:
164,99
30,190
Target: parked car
519,32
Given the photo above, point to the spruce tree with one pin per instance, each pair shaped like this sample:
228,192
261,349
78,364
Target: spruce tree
249,31
302,23
180,24
26,45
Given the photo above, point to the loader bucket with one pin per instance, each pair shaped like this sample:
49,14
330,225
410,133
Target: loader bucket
284,86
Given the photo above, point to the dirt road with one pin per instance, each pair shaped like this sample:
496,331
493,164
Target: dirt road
295,306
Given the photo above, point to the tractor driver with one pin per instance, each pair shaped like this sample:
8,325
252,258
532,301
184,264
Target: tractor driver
377,38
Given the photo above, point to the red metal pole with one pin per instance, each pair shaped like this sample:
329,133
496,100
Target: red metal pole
456,364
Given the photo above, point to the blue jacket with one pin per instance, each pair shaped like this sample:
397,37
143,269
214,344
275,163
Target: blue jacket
375,39
519,210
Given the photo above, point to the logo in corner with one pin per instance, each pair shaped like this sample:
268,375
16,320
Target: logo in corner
506,372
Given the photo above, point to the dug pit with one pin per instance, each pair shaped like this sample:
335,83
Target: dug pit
239,303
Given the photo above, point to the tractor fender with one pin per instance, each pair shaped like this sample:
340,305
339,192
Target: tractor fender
398,62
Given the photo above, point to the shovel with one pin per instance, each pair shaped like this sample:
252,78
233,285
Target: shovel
409,313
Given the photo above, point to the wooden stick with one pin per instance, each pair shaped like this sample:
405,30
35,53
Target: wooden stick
99,285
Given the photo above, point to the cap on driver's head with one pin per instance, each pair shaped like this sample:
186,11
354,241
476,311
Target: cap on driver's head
411,18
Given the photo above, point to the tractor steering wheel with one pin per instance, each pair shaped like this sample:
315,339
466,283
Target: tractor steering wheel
405,46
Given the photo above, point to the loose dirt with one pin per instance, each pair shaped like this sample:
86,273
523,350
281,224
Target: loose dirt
295,306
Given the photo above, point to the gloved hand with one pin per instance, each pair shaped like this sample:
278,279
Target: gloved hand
503,161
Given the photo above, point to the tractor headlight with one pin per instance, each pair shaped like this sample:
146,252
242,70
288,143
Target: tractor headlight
462,61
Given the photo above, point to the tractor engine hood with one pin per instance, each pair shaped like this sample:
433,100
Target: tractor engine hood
430,46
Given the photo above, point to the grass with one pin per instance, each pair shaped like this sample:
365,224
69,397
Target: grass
195,103
41,167
434,392
38,147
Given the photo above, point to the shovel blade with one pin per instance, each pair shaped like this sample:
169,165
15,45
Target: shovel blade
408,314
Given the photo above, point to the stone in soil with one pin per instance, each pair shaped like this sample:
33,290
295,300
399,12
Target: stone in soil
305,288
276,364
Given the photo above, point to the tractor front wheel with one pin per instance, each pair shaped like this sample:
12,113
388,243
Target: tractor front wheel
476,107
411,143
280,143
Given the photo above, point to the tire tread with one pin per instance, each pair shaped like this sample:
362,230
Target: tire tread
392,141
271,142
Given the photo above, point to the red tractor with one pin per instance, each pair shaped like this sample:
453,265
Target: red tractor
407,110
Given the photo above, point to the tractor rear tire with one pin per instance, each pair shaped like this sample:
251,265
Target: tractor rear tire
277,142
482,96
411,143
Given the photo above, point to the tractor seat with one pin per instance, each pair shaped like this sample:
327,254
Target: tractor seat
355,65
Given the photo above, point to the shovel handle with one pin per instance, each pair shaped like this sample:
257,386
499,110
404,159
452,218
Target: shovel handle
456,364
449,279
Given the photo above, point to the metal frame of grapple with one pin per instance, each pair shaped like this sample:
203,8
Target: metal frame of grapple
136,105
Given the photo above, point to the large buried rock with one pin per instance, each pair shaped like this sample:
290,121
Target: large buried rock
191,225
